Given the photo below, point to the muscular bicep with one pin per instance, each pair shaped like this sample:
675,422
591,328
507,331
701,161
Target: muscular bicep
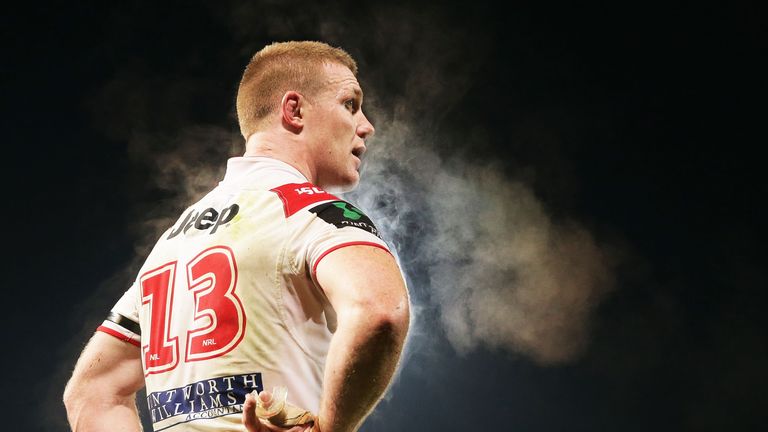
366,278
109,364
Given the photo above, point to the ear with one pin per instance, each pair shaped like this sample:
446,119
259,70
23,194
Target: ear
291,110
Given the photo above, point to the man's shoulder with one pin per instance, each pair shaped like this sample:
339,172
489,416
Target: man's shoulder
306,198
301,196
343,214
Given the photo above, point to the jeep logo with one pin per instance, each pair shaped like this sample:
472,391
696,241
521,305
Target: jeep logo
206,219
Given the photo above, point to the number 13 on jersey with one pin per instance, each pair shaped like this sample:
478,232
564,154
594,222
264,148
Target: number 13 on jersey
217,323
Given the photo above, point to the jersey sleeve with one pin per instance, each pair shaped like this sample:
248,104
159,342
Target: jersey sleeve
325,223
335,225
123,320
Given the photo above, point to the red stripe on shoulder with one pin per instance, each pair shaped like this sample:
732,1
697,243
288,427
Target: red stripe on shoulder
339,246
117,334
296,196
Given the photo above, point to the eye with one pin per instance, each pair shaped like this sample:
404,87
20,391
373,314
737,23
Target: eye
351,105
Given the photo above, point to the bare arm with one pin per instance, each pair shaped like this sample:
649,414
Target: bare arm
366,289
101,395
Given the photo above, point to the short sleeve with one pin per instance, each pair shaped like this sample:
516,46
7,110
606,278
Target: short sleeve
123,320
335,225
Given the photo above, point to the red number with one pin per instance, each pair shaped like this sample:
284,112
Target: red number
212,278
162,352
218,311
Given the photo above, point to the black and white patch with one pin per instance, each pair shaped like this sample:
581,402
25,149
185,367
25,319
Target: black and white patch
343,214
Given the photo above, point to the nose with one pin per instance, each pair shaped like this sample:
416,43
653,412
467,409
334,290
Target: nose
365,129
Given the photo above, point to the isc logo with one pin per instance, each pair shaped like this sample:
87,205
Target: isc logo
309,190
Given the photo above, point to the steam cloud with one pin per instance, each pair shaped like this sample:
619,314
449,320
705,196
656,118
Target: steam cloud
500,271
186,169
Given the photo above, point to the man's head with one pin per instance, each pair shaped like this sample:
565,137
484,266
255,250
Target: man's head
307,91
282,67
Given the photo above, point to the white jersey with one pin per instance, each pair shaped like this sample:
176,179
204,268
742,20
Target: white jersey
226,302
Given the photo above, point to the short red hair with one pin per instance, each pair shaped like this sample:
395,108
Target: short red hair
282,67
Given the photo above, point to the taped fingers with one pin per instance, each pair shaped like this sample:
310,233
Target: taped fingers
251,422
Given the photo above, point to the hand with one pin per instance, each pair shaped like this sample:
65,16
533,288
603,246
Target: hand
255,424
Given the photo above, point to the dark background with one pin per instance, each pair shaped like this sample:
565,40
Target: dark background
644,122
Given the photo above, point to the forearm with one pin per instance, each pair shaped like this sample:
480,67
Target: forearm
100,415
363,356
101,395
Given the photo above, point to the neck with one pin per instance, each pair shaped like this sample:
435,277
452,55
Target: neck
282,147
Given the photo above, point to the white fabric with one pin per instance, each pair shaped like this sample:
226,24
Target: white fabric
288,321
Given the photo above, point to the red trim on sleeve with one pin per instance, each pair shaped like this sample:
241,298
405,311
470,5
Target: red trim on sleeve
339,246
117,334
296,196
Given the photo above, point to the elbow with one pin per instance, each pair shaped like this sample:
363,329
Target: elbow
385,317
73,400
69,397
393,320
399,319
